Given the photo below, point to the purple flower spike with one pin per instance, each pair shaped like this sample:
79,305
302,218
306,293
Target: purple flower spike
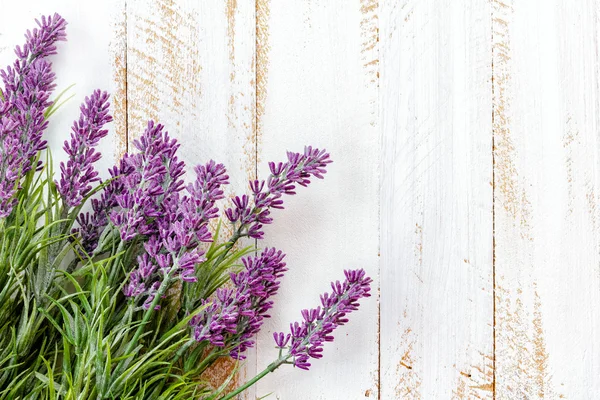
92,225
257,283
239,313
42,41
135,286
281,340
154,179
218,319
306,339
266,195
25,97
180,226
144,189
79,173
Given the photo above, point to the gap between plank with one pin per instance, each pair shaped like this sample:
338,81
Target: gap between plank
493,214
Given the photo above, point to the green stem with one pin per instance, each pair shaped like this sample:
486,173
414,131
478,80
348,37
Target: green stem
147,315
114,264
272,367
228,247
182,350
192,298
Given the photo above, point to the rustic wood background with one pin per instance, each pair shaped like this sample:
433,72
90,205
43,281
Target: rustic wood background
466,178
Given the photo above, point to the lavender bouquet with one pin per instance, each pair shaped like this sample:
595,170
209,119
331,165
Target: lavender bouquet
120,288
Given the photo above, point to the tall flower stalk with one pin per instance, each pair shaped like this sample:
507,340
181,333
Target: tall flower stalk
306,339
28,85
249,213
78,173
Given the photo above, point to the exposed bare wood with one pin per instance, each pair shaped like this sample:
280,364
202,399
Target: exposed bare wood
118,48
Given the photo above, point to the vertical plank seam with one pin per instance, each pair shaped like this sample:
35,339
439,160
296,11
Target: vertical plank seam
256,139
493,213
380,125
118,86
256,89
379,312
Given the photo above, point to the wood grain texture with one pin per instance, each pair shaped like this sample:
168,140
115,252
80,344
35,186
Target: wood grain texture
546,119
436,200
321,89
190,66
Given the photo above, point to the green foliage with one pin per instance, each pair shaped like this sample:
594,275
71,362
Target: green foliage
66,329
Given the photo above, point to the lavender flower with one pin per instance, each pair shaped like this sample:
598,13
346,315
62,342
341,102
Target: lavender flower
218,320
140,188
172,251
206,190
92,225
79,173
41,42
27,88
143,197
251,216
155,178
237,314
307,338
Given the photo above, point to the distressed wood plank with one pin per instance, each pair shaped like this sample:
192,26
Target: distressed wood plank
436,200
317,66
86,60
547,183
190,65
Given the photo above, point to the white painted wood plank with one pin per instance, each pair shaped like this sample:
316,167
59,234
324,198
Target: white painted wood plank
190,66
86,59
547,183
317,84
436,200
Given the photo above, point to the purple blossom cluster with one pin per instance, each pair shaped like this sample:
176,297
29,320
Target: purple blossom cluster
237,314
92,224
151,180
28,85
144,199
78,173
250,216
181,225
307,338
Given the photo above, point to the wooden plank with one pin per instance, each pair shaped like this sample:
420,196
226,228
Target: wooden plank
436,200
86,59
190,65
547,184
317,82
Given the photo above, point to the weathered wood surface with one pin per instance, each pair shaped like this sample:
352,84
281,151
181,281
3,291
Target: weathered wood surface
546,114
436,200
465,139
